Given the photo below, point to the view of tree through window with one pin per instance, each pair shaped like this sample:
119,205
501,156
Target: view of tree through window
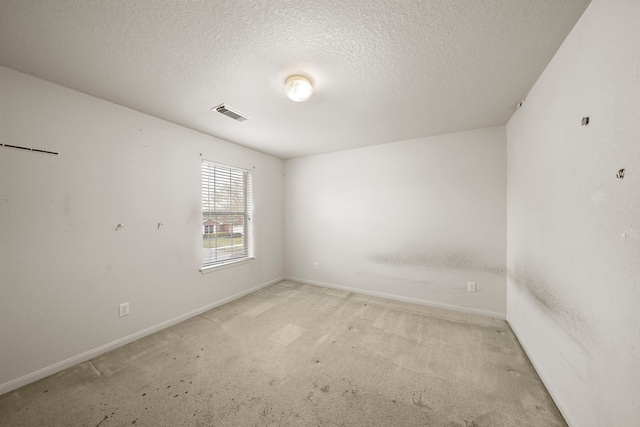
226,208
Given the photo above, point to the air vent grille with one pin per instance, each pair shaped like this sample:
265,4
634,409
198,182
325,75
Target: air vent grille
230,112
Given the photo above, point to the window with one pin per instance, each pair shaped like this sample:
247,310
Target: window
226,215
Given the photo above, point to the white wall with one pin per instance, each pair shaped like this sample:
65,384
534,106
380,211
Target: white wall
414,220
574,229
63,267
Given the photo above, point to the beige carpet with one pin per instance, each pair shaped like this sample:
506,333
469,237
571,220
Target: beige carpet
300,355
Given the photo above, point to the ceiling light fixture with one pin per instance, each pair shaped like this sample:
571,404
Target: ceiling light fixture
298,88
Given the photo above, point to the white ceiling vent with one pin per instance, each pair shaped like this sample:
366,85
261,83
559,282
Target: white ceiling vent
230,112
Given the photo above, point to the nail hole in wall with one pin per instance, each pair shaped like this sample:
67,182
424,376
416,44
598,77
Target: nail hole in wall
585,121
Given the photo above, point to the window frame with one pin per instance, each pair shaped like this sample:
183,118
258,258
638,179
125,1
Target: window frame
210,201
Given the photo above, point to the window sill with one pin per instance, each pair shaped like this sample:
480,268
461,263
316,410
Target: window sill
212,268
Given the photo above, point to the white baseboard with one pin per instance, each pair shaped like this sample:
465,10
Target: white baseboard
427,303
562,407
83,357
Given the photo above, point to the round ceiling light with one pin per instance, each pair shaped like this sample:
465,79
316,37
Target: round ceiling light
298,88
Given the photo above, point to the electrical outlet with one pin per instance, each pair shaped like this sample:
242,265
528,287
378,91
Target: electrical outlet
124,309
471,286
315,265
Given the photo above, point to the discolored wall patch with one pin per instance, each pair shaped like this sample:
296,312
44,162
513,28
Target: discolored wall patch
546,295
441,260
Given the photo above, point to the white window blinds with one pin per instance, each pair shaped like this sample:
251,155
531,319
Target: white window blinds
226,215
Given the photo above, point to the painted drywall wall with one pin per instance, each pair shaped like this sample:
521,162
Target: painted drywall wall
64,268
573,227
414,220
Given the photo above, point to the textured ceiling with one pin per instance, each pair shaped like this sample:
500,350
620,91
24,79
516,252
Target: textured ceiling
382,70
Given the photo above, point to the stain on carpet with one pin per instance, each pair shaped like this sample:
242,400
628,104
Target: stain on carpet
287,334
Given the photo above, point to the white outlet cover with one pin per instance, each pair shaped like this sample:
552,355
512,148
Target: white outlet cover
471,286
124,309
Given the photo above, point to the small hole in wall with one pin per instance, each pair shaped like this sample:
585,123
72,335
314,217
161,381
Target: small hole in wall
620,174
585,121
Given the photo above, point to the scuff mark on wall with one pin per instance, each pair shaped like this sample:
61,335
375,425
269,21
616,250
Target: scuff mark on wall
442,260
566,315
